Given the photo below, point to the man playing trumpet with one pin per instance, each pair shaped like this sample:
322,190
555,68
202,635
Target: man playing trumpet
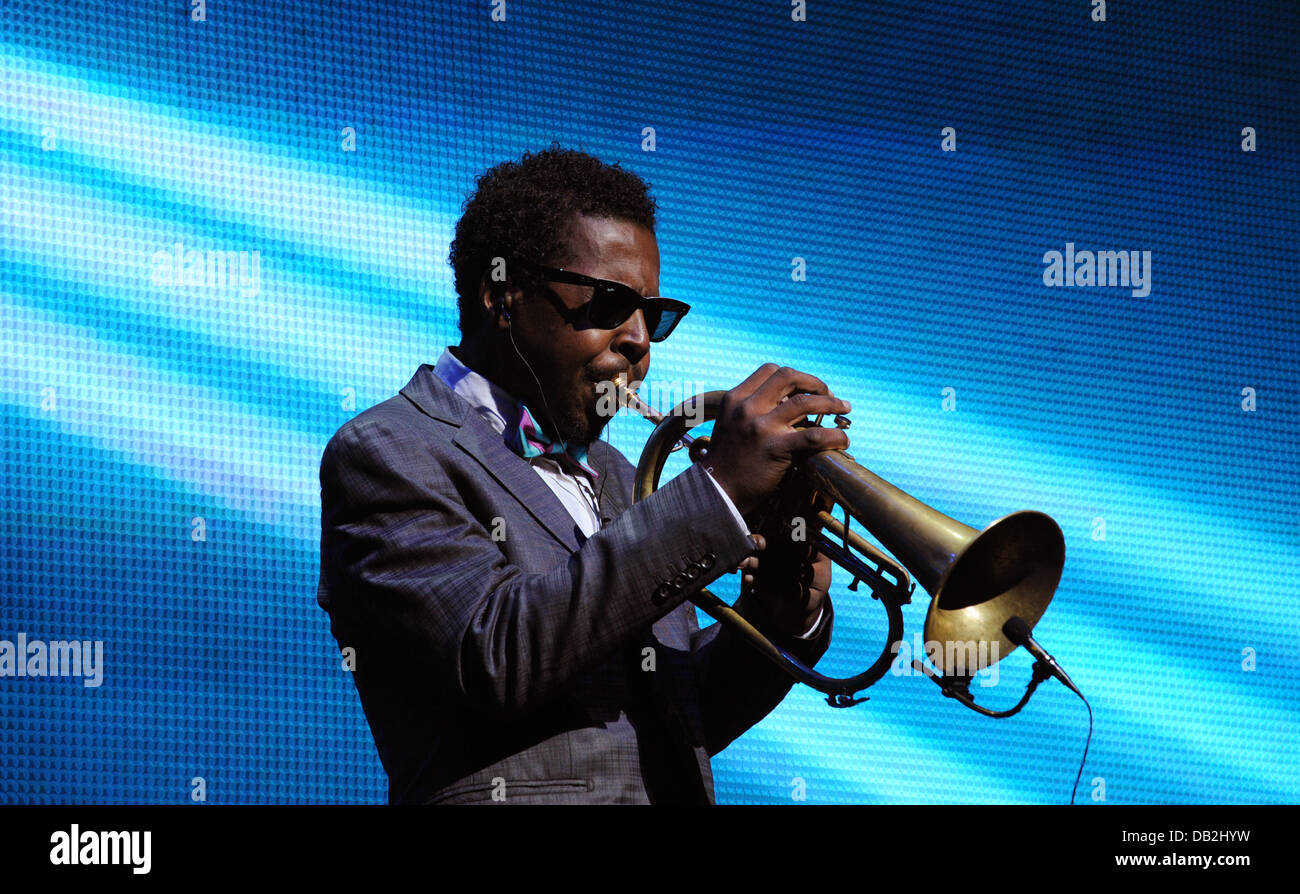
520,626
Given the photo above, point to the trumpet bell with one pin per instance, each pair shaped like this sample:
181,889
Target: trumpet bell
1011,568
977,580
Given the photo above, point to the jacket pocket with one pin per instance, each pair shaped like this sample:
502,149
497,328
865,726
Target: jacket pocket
520,790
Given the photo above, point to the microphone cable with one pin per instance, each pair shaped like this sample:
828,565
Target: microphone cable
1086,746
1019,632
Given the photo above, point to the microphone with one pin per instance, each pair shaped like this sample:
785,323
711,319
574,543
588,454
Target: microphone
1018,632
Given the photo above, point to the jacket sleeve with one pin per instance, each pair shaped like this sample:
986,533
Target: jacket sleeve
404,557
738,686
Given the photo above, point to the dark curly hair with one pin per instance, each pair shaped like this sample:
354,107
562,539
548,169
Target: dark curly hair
521,211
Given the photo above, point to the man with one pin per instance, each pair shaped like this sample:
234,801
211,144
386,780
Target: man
519,627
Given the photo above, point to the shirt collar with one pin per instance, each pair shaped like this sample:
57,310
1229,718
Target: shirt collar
498,408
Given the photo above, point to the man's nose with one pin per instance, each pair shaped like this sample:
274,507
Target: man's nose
632,339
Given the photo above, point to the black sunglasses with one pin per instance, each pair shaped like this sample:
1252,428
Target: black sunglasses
613,302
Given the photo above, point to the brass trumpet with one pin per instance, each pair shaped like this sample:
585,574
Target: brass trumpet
977,580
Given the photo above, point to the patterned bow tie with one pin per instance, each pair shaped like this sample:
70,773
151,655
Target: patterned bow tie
532,441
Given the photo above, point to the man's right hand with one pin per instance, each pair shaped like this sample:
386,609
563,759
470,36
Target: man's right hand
755,440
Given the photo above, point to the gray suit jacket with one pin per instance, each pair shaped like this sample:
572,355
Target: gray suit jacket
498,653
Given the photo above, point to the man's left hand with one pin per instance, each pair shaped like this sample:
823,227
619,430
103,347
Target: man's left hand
792,589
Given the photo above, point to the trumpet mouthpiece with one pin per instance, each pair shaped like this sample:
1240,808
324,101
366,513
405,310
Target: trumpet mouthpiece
629,399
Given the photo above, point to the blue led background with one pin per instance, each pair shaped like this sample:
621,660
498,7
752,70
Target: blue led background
134,406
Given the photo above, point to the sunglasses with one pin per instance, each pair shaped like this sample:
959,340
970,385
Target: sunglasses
612,303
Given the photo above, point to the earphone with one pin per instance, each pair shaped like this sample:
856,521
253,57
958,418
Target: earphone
504,311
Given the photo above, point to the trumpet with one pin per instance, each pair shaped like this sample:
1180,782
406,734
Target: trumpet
978,581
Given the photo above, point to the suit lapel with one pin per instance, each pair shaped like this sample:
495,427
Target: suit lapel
432,396
513,473
613,500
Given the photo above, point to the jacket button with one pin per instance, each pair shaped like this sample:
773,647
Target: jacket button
661,594
708,559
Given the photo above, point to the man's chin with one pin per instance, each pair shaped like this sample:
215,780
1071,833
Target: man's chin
579,426
595,428
587,428
585,422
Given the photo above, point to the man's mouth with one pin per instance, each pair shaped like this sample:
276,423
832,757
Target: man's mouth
617,374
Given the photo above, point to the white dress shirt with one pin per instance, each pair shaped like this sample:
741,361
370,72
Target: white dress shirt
573,489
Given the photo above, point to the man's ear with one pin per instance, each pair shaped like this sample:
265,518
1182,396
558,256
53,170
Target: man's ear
497,300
